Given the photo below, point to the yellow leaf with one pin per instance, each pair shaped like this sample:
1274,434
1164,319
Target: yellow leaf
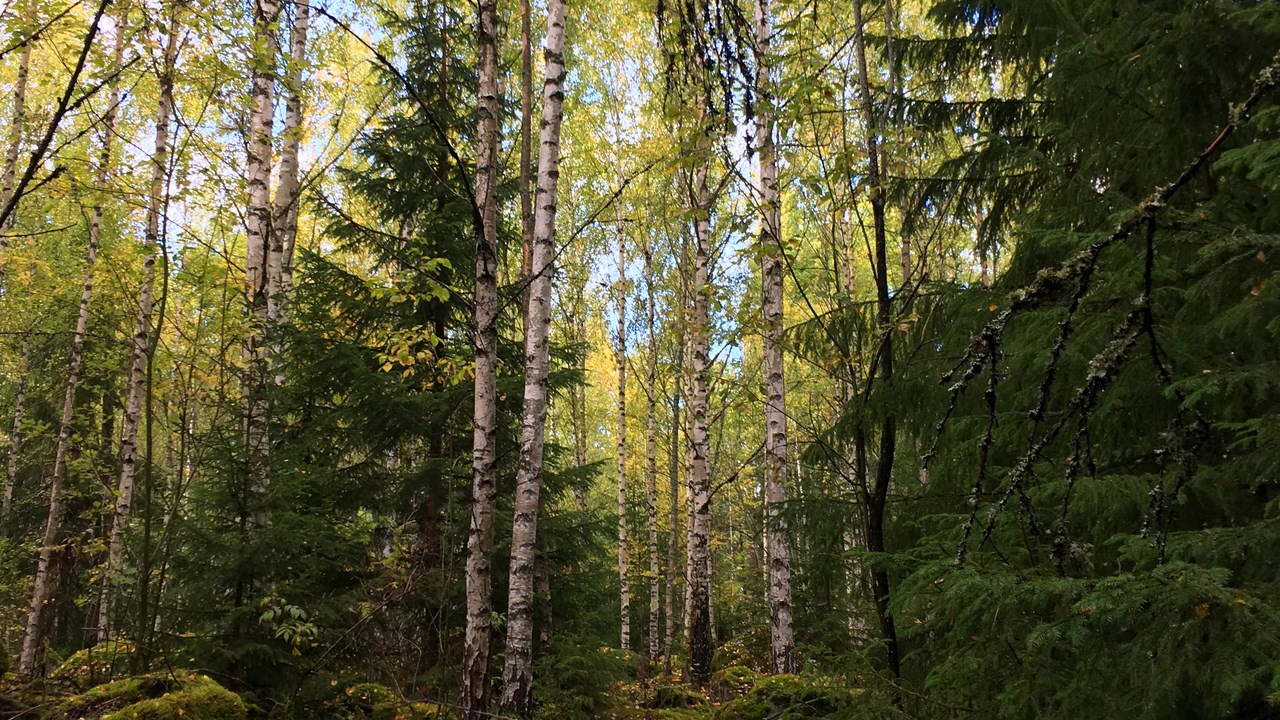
1202,610
993,307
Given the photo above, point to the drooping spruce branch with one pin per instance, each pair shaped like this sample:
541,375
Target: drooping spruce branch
1075,274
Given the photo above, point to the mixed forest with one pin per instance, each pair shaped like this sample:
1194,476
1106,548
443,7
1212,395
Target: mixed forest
683,359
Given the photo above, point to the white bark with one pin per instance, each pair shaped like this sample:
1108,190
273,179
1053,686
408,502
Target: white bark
284,222
258,248
778,548
517,695
700,644
484,457
620,358
651,454
142,348
42,592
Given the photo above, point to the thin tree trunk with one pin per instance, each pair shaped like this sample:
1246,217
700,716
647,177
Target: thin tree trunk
141,340
651,455
484,455
517,693
673,469
878,497
284,222
578,401
700,644
526,139
620,358
260,287
15,440
778,547
42,592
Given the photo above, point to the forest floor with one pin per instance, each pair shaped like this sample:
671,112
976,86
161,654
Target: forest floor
81,687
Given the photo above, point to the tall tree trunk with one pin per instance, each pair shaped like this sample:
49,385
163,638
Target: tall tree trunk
877,500
778,547
484,455
15,440
700,644
284,221
651,453
620,358
259,280
142,348
526,138
46,580
517,694
673,470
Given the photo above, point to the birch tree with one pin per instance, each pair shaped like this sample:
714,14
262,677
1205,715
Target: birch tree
651,449
620,359
51,547
517,695
142,338
258,273
484,458
781,642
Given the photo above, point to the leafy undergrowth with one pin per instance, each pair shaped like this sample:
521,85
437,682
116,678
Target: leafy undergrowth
169,696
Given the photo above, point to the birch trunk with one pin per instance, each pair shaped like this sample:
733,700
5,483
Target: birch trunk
526,138
778,547
142,347
484,455
878,494
15,440
700,645
517,694
620,357
258,249
46,579
284,221
651,456
673,469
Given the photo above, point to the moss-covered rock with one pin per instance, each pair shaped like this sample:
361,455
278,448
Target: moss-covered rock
675,696
92,665
402,710
789,697
197,698
734,681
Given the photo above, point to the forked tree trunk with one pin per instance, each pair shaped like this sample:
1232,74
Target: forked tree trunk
46,579
259,286
142,348
517,693
284,221
778,547
484,455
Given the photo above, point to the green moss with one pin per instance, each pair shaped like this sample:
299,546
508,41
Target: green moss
675,696
733,681
91,665
102,699
197,699
788,697
398,710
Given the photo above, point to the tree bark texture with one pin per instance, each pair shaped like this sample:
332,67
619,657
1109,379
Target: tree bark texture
620,358
778,548
484,455
517,694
